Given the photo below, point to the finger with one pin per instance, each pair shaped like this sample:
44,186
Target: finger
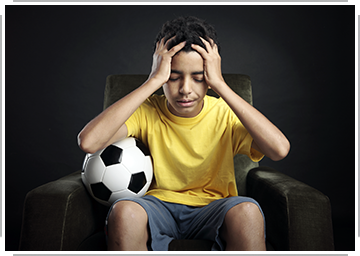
159,44
177,48
169,40
199,49
212,42
206,43
164,45
211,47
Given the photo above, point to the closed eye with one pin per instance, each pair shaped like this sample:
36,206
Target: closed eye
198,78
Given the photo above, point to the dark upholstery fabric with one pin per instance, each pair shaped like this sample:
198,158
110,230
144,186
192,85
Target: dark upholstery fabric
61,215
298,216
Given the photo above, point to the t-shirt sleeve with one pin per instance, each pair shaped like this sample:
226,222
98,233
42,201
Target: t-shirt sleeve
138,122
133,123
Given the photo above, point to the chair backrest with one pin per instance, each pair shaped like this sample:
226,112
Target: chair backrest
118,86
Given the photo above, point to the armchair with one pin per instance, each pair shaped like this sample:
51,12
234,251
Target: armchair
61,215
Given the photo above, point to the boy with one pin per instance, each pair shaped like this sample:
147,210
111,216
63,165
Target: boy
192,139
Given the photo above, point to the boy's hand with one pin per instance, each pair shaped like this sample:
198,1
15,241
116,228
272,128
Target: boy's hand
161,66
212,64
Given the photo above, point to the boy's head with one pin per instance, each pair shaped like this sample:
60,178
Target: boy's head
186,88
187,29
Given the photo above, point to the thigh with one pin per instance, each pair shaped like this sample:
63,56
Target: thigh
127,227
207,221
162,226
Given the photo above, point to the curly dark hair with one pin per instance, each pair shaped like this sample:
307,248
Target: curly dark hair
187,29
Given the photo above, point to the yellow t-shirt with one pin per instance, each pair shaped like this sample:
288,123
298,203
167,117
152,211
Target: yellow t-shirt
192,157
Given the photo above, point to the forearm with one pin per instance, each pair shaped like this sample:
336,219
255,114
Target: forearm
268,139
109,126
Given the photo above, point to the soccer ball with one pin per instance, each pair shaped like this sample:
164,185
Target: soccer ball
123,169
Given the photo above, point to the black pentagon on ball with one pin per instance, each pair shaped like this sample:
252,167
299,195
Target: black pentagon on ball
142,147
100,191
137,182
111,155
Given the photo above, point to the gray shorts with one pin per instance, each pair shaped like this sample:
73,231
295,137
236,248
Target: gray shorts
168,221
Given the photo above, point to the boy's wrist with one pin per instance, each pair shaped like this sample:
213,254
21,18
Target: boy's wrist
220,87
155,83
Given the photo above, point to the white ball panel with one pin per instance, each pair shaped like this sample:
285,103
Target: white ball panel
85,161
126,143
94,170
116,177
133,159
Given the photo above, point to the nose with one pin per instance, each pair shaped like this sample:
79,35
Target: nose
185,87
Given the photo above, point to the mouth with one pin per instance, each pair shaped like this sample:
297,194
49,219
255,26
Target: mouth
185,102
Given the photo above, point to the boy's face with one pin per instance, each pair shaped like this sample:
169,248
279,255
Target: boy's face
186,88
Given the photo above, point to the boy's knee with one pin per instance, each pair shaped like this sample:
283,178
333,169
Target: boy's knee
249,207
127,211
127,227
247,210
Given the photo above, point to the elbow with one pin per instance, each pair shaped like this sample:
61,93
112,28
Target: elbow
84,144
281,152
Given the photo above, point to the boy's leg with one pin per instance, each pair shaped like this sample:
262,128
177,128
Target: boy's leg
243,228
127,227
145,223
234,223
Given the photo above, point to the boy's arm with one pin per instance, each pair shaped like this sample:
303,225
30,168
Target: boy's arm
109,126
268,139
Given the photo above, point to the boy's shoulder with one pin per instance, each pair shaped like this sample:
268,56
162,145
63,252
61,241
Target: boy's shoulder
217,103
154,104
214,100
155,101
156,98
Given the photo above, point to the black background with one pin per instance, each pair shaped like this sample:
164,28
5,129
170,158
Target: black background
301,60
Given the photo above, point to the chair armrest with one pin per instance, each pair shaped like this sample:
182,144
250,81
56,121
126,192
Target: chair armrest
59,215
298,217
